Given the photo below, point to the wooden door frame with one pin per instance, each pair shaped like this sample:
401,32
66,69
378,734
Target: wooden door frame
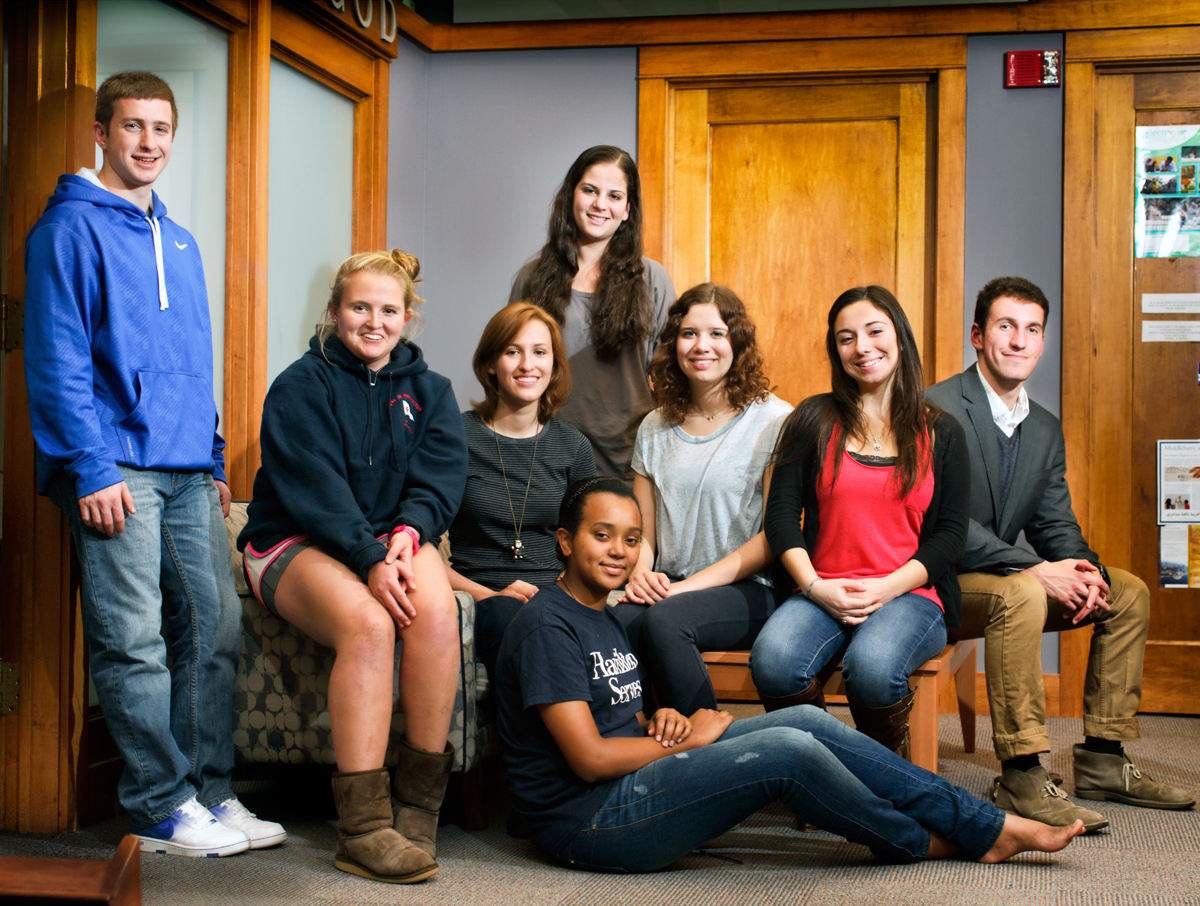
664,70
1097,404
52,74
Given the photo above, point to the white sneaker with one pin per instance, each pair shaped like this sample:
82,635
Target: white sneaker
191,830
236,816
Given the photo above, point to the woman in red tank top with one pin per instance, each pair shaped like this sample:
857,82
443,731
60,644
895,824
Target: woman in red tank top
867,515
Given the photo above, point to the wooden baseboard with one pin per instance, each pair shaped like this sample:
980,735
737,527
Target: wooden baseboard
948,703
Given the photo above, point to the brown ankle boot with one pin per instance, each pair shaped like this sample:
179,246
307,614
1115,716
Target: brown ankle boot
887,726
421,779
367,844
812,694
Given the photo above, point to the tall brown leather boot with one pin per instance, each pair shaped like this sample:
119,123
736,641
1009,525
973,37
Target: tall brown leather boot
367,843
421,779
812,694
888,726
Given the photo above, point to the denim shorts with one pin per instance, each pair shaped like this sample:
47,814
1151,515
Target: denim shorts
263,570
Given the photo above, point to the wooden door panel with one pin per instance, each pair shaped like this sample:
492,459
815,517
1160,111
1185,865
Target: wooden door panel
808,103
1164,406
802,212
1137,392
791,194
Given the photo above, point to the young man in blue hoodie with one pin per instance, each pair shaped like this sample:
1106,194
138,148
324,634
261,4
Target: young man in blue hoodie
118,359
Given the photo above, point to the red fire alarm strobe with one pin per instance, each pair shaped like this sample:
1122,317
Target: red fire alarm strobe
1032,69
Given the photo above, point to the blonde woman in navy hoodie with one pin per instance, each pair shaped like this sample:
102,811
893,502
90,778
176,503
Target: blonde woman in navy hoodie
363,466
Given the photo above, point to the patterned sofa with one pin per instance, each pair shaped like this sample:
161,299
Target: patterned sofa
283,676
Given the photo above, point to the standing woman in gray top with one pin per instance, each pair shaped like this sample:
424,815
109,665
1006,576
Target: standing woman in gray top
610,301
520,460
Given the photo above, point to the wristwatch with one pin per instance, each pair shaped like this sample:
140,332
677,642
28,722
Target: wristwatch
1104,574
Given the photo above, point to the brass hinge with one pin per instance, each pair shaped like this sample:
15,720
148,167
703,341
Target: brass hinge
13,326
10,688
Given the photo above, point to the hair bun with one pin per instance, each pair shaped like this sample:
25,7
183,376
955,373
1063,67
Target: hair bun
408,262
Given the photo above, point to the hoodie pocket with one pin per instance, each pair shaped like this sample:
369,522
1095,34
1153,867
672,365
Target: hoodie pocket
172,425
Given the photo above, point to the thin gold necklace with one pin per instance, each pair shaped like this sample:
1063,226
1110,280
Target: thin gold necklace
516,547
562,580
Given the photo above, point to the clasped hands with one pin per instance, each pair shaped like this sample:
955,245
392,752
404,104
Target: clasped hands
671,728
392,578
1076,584
849,601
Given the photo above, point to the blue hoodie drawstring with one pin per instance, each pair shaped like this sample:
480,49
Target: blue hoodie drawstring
158,260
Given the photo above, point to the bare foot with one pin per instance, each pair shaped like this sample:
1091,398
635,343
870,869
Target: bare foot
940,847
1021,835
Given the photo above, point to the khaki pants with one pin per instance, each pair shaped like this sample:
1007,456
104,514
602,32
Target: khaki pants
1010,613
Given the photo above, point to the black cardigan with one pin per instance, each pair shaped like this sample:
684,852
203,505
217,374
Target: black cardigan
943,535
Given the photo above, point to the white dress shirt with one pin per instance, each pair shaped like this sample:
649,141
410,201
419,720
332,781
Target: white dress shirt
1006,419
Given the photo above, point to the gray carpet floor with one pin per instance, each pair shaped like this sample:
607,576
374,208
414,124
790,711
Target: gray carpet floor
1144,857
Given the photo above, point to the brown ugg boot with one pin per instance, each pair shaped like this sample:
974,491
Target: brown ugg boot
888,726
421,779
368,845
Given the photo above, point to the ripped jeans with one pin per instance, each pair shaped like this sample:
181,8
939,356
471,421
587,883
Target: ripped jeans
827,773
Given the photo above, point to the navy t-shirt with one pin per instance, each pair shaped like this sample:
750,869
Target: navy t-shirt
558,650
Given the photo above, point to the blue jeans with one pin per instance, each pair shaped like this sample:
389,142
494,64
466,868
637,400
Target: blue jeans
169,569
825,772
878,655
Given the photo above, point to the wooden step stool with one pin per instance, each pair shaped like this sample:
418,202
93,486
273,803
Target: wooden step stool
730,675
118,881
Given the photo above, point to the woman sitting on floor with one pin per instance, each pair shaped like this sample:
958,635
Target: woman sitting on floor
588,773
363,465
700,477
520,461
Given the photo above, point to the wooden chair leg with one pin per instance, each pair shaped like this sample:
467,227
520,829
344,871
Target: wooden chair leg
471,784
964,683
923,724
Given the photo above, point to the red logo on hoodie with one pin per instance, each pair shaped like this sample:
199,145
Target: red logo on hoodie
408,405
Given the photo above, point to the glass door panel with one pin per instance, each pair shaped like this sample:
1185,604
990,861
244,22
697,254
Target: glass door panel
311,163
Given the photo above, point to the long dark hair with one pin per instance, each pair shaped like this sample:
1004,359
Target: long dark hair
744,384
809,428
623,312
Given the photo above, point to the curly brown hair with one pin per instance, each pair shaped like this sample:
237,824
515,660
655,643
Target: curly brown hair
500,331
744,384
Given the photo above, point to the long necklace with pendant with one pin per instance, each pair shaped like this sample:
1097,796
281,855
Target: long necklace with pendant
517,547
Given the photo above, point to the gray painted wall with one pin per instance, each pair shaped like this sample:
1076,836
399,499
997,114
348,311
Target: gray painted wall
479,144
1014,191
1014,205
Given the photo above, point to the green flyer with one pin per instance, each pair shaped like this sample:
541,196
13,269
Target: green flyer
1167,207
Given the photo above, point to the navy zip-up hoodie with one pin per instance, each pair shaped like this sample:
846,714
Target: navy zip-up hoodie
118,344
348,454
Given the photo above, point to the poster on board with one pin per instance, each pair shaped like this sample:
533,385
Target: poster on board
1166,202
1178,482
1179,556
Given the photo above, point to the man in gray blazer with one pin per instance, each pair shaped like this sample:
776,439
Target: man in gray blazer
1011,596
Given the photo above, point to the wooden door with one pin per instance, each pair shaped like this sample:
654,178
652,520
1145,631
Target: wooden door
792,194
1120,394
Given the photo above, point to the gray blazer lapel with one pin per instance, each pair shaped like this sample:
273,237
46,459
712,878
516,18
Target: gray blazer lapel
980,413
